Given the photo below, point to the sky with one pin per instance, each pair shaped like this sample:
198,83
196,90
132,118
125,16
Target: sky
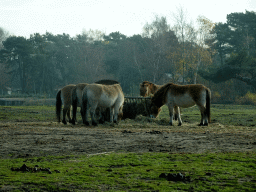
25,17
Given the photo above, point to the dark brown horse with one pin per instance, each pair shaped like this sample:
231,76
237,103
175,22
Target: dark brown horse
185,96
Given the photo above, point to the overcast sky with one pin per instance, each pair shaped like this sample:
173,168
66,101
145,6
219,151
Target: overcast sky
25,17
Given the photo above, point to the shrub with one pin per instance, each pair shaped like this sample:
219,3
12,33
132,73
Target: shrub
248,99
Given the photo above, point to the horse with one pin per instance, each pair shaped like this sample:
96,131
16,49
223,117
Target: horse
148,88
77,98
106,96
175,96
64,96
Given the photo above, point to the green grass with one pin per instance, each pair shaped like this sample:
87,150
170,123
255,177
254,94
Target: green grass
131,171
135,172
27,113
241,115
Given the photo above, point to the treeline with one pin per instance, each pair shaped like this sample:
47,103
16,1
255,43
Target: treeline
162,53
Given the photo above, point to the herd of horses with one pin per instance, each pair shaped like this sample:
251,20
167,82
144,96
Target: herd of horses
94,99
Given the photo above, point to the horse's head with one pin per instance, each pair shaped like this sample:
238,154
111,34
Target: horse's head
154,110
144,89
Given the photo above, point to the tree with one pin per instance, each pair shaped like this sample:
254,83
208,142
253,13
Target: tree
243,34
16,55
93,36
158,39
3,36
239,66
237,34
182,28
202,51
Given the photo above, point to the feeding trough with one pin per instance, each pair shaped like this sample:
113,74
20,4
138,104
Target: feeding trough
134,106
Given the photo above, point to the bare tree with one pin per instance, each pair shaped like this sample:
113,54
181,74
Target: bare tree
3,36
93,35
180,28
156,36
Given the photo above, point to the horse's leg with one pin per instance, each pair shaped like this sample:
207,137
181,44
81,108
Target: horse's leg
73,121
101,112
68,115
85,114
114,114
203,116
177,114
65,110
170,107
93,109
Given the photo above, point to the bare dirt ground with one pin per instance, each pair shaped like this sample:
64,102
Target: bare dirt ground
31,139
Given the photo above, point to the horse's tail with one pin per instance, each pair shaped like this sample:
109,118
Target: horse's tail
208,103
58,105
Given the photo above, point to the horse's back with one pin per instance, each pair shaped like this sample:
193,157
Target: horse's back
104,95
79,91
187,95
107,82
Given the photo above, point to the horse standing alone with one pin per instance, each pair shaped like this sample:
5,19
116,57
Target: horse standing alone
175,96
106,96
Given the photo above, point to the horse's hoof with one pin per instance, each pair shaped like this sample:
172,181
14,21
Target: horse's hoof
64,122
170,124
201,124
206,124
179,124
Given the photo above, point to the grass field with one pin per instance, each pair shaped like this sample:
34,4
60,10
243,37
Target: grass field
232,171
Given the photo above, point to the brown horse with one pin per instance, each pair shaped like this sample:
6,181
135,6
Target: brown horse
147,88
64,96
77,98
185,96
106,96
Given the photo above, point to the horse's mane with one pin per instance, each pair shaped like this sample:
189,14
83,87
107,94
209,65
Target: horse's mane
159,96
147,82
107,82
